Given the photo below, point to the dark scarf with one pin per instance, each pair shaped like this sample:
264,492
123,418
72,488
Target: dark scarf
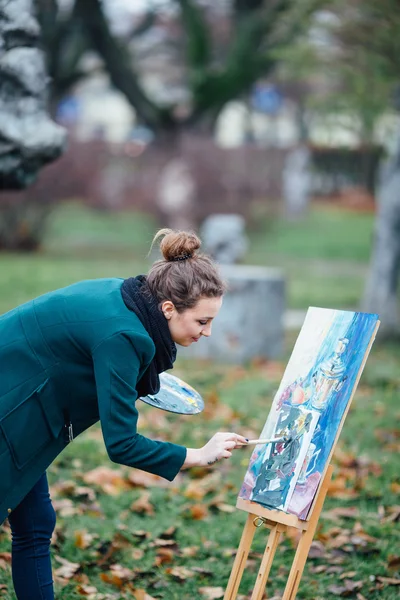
138,298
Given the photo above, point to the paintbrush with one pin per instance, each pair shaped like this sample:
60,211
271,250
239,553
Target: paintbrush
285,438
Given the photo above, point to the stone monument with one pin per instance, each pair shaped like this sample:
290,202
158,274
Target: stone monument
176,194
28,137
297,181
224,237
250,322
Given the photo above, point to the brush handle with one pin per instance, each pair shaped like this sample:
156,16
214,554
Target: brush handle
265,441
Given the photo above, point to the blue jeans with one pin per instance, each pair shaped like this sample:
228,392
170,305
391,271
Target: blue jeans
32,524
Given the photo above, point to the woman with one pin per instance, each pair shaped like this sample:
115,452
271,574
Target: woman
85,353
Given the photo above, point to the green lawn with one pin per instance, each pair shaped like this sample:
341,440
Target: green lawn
324,256
181,538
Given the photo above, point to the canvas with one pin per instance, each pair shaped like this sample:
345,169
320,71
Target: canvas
308,410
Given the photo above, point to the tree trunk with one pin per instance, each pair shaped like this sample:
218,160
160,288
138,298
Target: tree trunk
381,289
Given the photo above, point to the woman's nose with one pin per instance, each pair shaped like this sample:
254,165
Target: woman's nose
207,330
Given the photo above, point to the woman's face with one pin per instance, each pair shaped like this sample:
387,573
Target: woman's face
188,326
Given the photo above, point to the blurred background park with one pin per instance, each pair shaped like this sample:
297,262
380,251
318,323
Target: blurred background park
282,113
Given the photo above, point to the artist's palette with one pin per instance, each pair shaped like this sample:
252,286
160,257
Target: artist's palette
176,396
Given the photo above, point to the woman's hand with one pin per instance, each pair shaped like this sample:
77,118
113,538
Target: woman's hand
220,446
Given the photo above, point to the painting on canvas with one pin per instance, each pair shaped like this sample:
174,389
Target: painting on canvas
308,409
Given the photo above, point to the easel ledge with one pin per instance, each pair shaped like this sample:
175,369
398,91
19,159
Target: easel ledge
272,516
278,522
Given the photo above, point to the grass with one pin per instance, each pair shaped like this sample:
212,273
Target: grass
323,256
98,530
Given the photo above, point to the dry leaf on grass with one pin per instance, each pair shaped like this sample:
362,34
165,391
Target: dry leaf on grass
64,507
218,503
189,551
118,575
197,512
388,580
143,505
351,512
392,514
198,488
87,590
347,589
83,539
140,594
137,554
180,573
393,562
111,481
67,569
168,533
212,593
164,556
142,479
6,557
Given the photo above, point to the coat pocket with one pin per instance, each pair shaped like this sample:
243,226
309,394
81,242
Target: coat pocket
27,428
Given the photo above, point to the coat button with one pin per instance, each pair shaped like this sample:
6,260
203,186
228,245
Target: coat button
9,510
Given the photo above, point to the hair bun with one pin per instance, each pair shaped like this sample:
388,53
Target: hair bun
177,245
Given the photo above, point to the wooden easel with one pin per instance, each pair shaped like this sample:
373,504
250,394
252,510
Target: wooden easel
278,522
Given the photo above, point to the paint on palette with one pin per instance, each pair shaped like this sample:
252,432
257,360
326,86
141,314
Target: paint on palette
315,390
175,396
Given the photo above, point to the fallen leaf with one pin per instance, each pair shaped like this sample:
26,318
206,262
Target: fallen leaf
83,539
143,505
65,507
111,481
168,533
85,493
351,512
388,580
67,569
197,489
219,504
317,550
87,590
318,569
334,569
141,534
137,554
143,479
348,575
164,555
142,595
212,593
201,571
395,487
118,575
160,543
393,514
190,551
6,556
180,573
393,562
347,589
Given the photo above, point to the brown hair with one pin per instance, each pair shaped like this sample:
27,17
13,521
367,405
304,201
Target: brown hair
183,275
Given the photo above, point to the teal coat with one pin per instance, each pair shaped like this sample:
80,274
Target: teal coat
75,353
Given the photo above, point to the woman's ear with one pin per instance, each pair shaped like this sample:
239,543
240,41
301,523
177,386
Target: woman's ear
168,309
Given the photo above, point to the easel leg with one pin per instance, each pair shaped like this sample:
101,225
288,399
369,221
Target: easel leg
241,558
305,542
266,563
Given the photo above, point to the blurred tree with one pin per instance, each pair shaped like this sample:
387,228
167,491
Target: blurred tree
349,60
213,75
371,33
